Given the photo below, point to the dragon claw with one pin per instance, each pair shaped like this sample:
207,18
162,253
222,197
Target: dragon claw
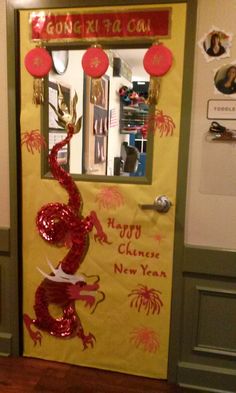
36,337
88,340
102,238
100,235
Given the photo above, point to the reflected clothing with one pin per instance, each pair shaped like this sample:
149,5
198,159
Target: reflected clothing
220,52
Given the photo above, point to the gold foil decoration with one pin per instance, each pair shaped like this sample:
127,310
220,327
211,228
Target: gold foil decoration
38,91
154,90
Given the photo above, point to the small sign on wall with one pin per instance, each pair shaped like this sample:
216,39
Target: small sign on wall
221,109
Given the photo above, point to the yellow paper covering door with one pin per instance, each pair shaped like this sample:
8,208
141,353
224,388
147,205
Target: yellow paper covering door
132,324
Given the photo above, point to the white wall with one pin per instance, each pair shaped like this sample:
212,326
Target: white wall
4,167
211,196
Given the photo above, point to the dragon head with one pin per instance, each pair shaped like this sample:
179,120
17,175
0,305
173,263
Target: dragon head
77,287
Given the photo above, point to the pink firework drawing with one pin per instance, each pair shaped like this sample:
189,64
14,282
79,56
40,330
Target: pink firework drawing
33,141
158,237
164,123
145,339
147,300
109,198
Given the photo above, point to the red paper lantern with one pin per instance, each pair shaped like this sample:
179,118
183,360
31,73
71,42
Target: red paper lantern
157,60
95,62
38,62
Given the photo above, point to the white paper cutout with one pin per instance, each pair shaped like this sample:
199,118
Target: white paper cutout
222,77
224,41
60,275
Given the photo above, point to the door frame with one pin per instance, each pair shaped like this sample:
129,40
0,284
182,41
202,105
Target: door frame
200,273
13,8
178,256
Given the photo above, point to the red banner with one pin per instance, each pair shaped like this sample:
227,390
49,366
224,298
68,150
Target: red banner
131,24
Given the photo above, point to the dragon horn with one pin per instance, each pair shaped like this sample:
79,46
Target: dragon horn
78,125
60,275
51,266
51,278
69,277
60,94
74,102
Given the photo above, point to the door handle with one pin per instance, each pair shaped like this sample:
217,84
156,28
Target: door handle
161,204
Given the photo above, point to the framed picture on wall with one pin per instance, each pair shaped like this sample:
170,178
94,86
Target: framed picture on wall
96,117
100,121
99,151
100,88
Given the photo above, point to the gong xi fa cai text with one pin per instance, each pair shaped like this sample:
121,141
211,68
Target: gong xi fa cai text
150,23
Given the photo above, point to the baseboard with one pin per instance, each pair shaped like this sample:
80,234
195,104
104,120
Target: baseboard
4,241
5,344
206,378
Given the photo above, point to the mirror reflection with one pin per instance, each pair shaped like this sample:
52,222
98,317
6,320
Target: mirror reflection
113,136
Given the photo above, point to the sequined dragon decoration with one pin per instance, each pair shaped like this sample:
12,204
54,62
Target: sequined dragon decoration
63,225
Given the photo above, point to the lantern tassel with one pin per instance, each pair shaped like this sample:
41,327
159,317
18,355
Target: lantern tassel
38,91
154,90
